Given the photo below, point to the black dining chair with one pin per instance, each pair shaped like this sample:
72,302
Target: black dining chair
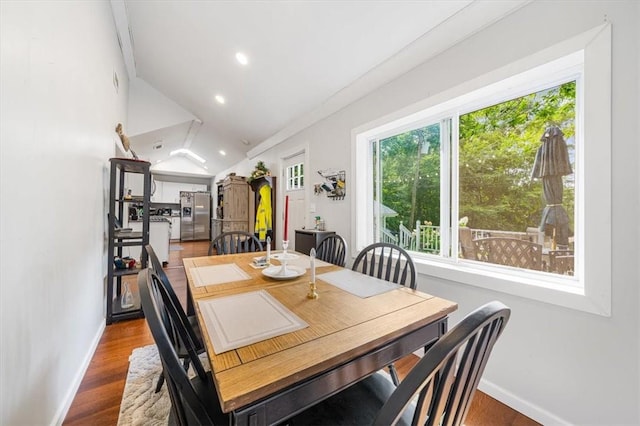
190,322
437,391
387,262
193,401
332,249
235,242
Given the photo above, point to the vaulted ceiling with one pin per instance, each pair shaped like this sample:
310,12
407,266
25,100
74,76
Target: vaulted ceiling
306,60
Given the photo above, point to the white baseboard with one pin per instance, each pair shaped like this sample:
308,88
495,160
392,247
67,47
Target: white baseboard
535,412
75,385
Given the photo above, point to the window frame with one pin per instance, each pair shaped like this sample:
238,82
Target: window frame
590,289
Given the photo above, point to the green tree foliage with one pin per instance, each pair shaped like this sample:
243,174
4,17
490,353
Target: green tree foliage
498,146
403,159
496,154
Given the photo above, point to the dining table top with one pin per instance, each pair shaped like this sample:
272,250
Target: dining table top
341,326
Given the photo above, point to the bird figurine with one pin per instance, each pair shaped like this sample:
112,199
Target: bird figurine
125,140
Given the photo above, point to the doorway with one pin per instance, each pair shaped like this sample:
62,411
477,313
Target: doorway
293,185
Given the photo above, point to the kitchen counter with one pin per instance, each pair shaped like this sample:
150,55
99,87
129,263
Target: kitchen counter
154,219
159,234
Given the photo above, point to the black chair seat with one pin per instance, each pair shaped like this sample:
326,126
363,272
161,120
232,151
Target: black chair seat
356,405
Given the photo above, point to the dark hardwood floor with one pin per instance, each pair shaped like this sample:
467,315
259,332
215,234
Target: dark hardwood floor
98,399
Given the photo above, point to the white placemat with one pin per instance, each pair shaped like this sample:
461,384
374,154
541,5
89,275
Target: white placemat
356,283
242,319
218,274
303,261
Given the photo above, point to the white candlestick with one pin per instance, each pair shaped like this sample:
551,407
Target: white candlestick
312,255
268,250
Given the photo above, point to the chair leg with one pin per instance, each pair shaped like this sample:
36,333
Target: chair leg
394,374
160,382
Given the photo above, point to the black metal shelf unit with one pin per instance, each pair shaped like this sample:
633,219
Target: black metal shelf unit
118,238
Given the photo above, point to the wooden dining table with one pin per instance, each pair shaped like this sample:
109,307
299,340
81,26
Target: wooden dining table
347,338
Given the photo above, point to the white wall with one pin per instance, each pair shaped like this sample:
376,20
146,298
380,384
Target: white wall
554,364
150,110
59,111
322,155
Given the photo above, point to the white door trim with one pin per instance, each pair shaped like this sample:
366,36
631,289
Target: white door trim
299,149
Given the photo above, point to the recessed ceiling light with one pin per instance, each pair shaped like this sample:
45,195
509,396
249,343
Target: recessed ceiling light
242,58
222,152
220,99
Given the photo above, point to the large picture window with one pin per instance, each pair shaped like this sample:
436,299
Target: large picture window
505,186
515,186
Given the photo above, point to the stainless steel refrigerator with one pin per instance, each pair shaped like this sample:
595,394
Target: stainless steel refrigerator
195,215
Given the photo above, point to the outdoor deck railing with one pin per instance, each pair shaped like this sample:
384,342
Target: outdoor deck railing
426,238
388,237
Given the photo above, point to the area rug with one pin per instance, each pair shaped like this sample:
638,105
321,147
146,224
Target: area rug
140,404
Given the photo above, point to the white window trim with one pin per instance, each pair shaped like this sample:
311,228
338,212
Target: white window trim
593,206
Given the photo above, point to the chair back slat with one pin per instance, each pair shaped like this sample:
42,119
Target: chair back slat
424,401
444,382
332,249
387,262
380,260
464,382
235,242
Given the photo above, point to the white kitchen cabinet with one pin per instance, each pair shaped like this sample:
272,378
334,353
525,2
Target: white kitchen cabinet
157,195
171,191
158,238
175,228
165,191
